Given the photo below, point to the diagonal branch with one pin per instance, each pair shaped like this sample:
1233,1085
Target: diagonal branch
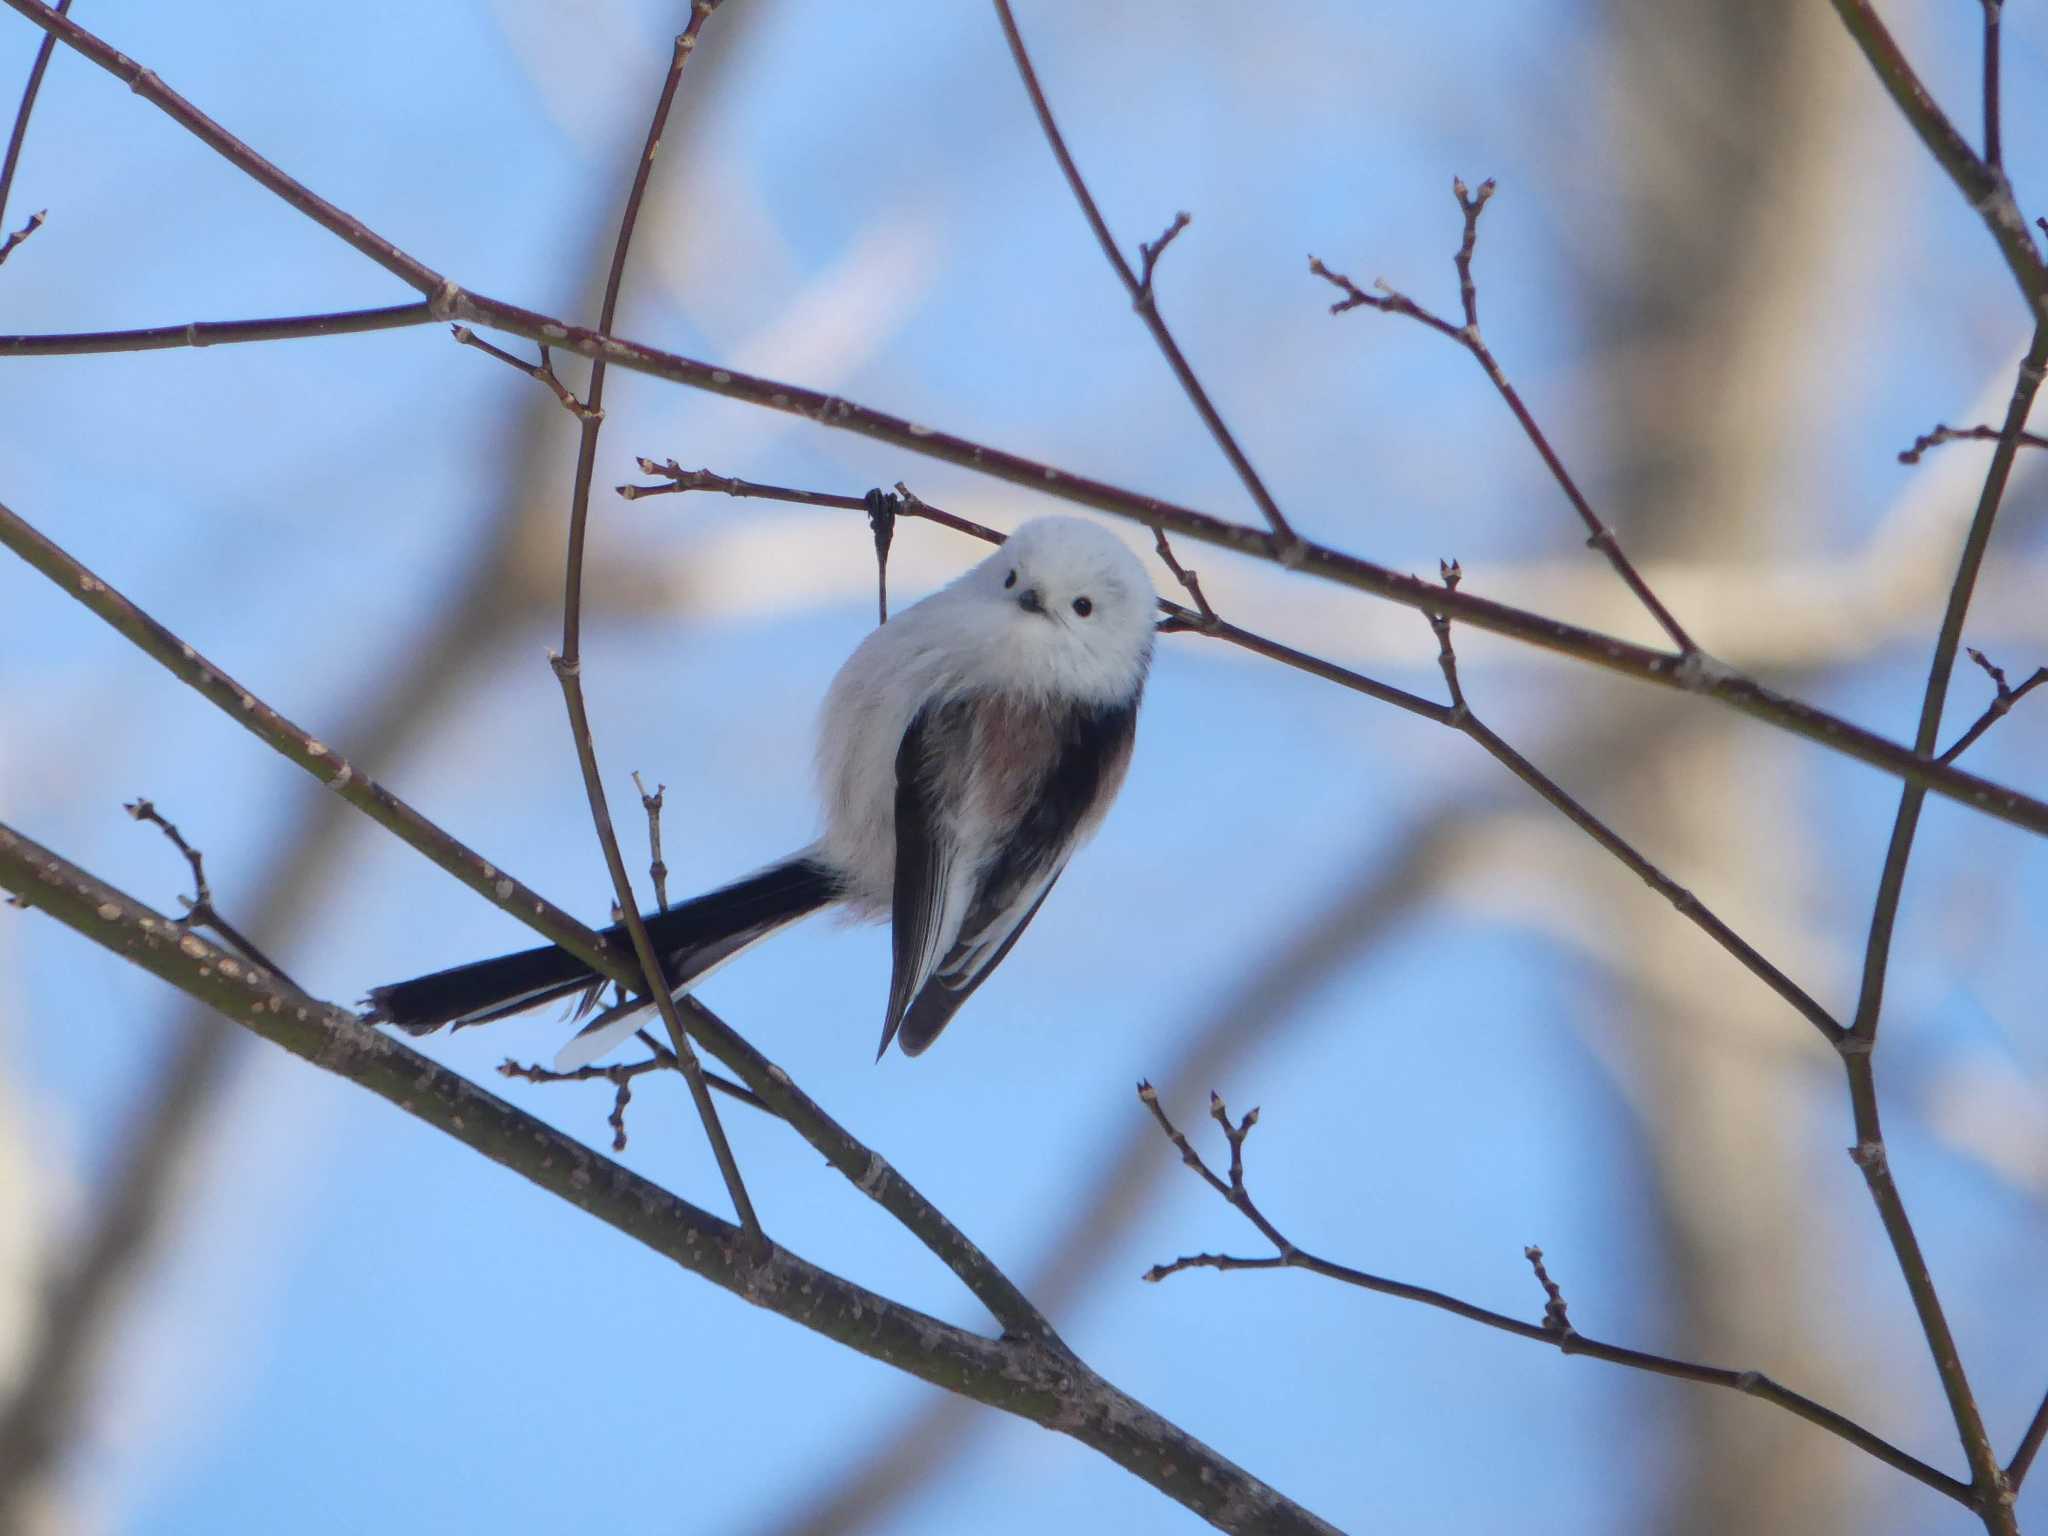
1143,299
1019,1376
1694,673
1458,716
859,1164
1982,183
1555,1330
1598,535
2000,706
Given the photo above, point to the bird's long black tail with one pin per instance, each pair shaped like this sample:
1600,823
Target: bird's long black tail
690,938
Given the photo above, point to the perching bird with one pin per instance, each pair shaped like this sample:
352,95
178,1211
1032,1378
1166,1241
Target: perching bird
966,749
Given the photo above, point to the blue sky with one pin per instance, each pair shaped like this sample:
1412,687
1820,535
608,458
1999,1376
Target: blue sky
359,1323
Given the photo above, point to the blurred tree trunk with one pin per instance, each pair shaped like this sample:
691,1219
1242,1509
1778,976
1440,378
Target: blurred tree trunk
1725,125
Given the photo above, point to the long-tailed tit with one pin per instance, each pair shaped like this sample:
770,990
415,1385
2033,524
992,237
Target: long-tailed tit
966,749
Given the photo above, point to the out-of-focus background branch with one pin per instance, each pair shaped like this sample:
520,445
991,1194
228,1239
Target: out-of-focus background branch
1718,267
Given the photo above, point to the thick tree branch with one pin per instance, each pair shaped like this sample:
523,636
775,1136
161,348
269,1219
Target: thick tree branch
1021,1377
1555,1330
863,1167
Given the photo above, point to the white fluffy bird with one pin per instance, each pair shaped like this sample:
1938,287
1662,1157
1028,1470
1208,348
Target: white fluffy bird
966,749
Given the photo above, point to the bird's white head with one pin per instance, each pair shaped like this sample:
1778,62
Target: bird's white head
1071,611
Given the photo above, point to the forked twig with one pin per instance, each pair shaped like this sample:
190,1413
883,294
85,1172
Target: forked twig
544,371
1390,301
1143,298
200,912
1555,1330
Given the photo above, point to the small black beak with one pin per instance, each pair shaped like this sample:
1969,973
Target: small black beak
1030,601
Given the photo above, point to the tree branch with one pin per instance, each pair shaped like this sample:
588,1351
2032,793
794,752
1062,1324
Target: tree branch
1947,434
20,132
1457,715
1693,673
1143,299
2000,706
866,1169
1598,535
568,666
1555,1330
214,333
1022,1377
1982,184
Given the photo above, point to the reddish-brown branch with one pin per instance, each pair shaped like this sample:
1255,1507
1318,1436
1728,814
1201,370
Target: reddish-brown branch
568,666
1691,673
2000,706
1978,434
19,133
1143,298
1456,715
1994,153
544,371
1555,1329
214,333
1389,301
35,222
200,912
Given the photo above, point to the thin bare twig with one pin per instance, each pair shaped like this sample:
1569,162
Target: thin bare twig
35,222
1555,1329
2000,706
200,912
657,871
568,666
214,333
1979,434
1994,154
1143,298
1462,718
620,1075
2030,1444
544,371
1455,715
1189,581
20,131
1389,301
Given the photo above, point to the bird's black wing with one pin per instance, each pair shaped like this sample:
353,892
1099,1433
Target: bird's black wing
1092,751
927,855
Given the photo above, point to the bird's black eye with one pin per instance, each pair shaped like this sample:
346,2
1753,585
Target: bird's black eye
1083,607
1010,580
